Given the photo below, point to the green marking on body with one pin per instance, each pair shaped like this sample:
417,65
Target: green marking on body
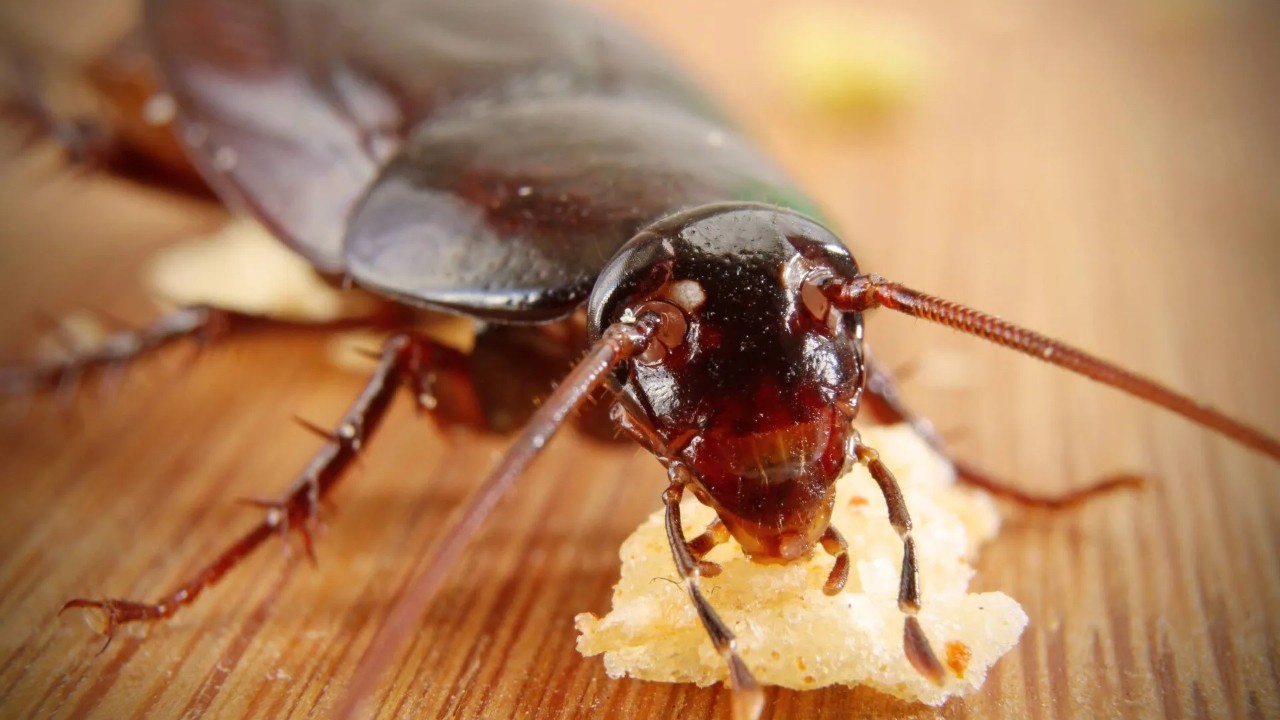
782,196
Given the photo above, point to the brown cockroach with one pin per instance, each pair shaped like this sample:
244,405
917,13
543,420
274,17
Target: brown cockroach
535,161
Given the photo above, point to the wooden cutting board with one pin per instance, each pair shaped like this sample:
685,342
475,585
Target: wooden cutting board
1106,172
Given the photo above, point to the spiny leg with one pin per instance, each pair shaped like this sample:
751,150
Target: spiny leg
748,698
885,402
618,343
118,349
201,323
914,642
405,359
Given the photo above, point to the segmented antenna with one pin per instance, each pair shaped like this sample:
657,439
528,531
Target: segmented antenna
870,291
620,342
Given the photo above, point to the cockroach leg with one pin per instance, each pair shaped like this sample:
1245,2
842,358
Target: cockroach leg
971,475
404,360
618,343
198,322
916,645
86,142
640,431
882,398
201,323
277,513
833,542
748,697
715,534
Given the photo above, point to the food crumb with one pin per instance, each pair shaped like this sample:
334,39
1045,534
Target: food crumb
76,333
846,66
242,267
793,635
958,657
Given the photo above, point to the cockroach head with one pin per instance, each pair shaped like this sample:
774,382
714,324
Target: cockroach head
730,250
752,375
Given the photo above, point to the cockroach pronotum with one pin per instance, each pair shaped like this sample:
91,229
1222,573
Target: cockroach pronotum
518,162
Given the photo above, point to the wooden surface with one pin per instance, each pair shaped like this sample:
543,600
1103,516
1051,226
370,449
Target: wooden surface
1106,172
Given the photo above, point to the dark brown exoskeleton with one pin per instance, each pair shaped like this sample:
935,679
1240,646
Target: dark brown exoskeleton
540,161
732,336
746,391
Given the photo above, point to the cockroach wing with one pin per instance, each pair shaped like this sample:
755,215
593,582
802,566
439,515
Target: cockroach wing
428,54
260,131
290,106
508,209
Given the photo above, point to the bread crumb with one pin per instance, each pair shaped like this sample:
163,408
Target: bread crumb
355,351
76,333
791,634
958,657
243,267
848,66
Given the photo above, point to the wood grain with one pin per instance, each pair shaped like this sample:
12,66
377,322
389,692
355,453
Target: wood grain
1106,172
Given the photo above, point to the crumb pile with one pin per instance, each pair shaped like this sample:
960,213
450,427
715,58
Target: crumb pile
243,267
789,632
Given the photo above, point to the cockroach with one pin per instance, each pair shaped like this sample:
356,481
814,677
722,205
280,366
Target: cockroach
517,162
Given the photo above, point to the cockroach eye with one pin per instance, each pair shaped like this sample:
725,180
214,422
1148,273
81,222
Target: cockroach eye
670,333
814,301
687,294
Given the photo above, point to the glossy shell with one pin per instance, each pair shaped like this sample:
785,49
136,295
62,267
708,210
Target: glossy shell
485,157
755,397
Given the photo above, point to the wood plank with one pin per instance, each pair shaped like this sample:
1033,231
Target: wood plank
1096,170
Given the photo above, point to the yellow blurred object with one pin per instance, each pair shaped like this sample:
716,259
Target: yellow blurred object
848,67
